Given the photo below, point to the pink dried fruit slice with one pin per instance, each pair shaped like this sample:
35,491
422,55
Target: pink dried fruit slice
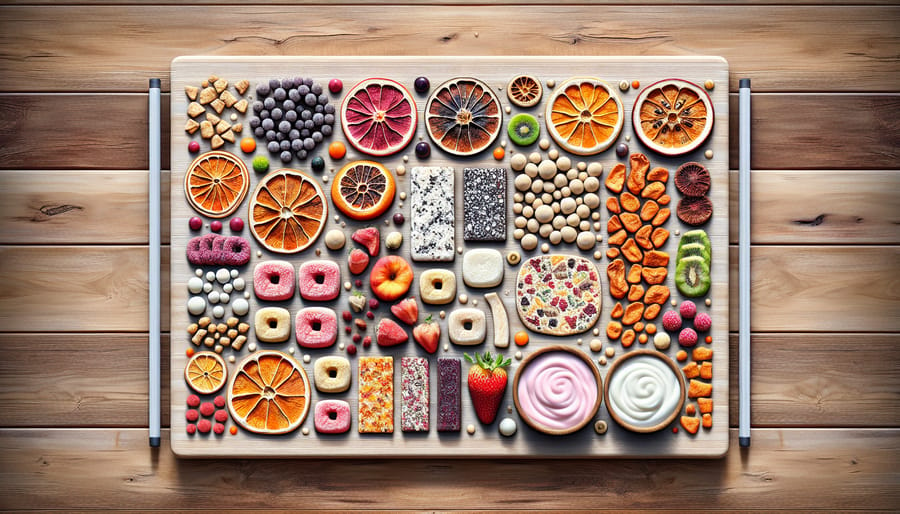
463,116
379,117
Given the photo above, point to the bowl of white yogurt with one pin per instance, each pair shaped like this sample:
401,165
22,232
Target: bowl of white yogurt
644,391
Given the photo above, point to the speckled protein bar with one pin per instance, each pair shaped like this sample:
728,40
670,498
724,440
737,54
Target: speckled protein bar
376,395
449,380
484,204
414,395
431,212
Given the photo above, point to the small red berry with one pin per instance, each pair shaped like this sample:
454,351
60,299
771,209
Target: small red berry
191,415
348,329
687,337
674,430
204,426
207,409
193,147
195,223
358,282
357,338
351,348
703,322
191,428
671,321
688,309
236,224
399,219
373,303
221,416
193,400
370,315
367,341
219,401
335,85
219,429
361,325
215,226
347,316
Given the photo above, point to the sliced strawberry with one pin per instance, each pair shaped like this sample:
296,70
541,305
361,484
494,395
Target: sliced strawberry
428,335
358,261
390,333
368,237
406,311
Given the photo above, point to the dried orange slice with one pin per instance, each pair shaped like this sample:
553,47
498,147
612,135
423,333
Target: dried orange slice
379,117
287,211
524,91
584,116
363,190
216,183
673,116
205,372
269,393
463,116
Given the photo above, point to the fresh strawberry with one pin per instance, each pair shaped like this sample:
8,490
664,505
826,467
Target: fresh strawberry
358,260
357,301
427,334
487,382
390,333
407,311
368,237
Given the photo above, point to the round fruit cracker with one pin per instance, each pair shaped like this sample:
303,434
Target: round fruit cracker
558,294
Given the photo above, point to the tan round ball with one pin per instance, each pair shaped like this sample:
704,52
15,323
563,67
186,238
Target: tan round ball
522,182
527,211
595,169
555,237
563,164
547,169
517,162
569,234
534,157
335,239
592,184
537,186
532,225
592,200
544,213
583,211
529,242
559,222
545,230
585,241
567,206
531,170
576,186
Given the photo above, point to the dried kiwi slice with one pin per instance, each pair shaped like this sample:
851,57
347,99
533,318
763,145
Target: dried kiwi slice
696,236
523,129
691,249
692,276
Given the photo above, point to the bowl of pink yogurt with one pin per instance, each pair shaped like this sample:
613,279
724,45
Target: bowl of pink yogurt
557,390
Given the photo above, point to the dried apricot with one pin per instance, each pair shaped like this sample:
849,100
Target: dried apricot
691,409
658,173
634,274
617,311
707,421
613,224
629,202
652,311
692,370
690,424
681,356
654,276
649,210
653,190
656,258
642,237
702,353
631,221
661,217
631,251
698,389
659,237
612,205
706,405
613,330
618,238
637,176
635,293
706,370
618,288
651,328
612,253
633,313
664,200
628,337
657,294
615,181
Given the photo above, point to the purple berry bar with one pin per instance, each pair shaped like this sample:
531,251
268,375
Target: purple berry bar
449,380
414,394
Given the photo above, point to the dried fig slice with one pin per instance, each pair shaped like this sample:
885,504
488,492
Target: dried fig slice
692,179
694,210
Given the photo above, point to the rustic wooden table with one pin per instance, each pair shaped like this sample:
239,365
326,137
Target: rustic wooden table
825,235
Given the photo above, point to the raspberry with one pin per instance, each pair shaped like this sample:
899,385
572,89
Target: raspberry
688,309
219,429
370,315
351,349
703,322
357,338
219,401
373,304
347,316
204,426
687,337
671,321
221,416
191,428
367,341
192,415
193,400
348,329
358,283
207,409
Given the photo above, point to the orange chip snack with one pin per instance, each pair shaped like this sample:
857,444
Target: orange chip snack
615,181
656,258
690,410
631,251
634,274
652,311
631,221
618,238
635,293
659,237
657,294
613,224
698,389
707,421
649,210
654,276
659,173
642,237
706,370
637,176
692,370
629,202
681,356
612,205
612,253
664,200
690,423
702,353
706,405
633,313
617,311
628,338
613,330
661,217
653,190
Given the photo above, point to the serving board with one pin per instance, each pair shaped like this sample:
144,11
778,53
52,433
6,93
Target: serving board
486,439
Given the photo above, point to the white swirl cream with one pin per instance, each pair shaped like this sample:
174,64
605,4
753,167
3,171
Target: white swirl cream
557,390
644,392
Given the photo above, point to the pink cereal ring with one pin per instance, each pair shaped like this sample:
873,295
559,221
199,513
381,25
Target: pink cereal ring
235,251
316,327
332,416
273,280
319,280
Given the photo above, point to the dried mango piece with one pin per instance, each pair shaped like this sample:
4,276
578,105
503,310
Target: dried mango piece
691,424
652,311
702,353
642,237
637,176
706,405
698,389
615,181
633,313
690,410
653,190
618,288
628,337
631,251
639,326
649,210
707,421
656,258
612,253
635,293
631,221
658,173
659,237
618,238
692,370
664,200
613,224
661,217
706,370
629,202
657,294
654,276
613,330
634,274
617,311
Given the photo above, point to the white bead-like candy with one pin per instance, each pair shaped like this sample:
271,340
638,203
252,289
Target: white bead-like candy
517,162
210,276
213,297
207,287
224,298
547,169
235,273
223,275
198,272
195,285
507,427
238,284
218,311
544,213
228,288
196,305
240,307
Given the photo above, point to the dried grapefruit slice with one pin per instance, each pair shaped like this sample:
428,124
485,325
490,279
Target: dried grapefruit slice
463,116
524,91
379,117
287,211
584,116
363,190
205,372
216,183
673,116
269,393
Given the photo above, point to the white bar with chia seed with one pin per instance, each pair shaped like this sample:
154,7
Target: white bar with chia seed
484,204
432,214
414,394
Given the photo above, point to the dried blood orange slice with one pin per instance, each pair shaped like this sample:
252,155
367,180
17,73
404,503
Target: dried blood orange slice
673,116
363,190
269,393
287,211
205,372
524,91
379,117
463,116
216,183
584,116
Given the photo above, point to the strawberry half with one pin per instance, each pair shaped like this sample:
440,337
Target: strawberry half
428,335
390,333
406,311
358,260
368,237
487,382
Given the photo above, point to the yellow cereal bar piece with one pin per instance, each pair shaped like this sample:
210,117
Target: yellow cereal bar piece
376,395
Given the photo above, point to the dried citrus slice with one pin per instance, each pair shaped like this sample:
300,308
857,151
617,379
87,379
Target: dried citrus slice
287,211
524,91
216,183
584,115
269,393
673,116
205,372
363,190
463,116
379,117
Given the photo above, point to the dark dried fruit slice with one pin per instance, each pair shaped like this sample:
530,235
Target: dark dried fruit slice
694,210
463,116
379,117
524,91
673,116
692,179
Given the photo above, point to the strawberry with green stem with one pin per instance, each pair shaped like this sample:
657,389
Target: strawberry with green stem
428,334
487,382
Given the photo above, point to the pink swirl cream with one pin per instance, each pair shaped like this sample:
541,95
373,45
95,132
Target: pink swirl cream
557,390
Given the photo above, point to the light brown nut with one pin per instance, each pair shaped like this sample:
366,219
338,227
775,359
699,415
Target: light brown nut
191,126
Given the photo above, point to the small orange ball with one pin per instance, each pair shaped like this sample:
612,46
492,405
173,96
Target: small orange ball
638,327
681,356
651,328
189,352
233,430
642,338
337,150
635,84
248,145
708,339
521,338
499,153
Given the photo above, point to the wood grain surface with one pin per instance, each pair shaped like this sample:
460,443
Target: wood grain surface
825,159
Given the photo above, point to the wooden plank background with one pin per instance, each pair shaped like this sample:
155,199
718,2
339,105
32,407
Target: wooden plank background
825,235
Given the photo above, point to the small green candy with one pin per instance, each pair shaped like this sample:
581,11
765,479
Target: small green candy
260,164
318,163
